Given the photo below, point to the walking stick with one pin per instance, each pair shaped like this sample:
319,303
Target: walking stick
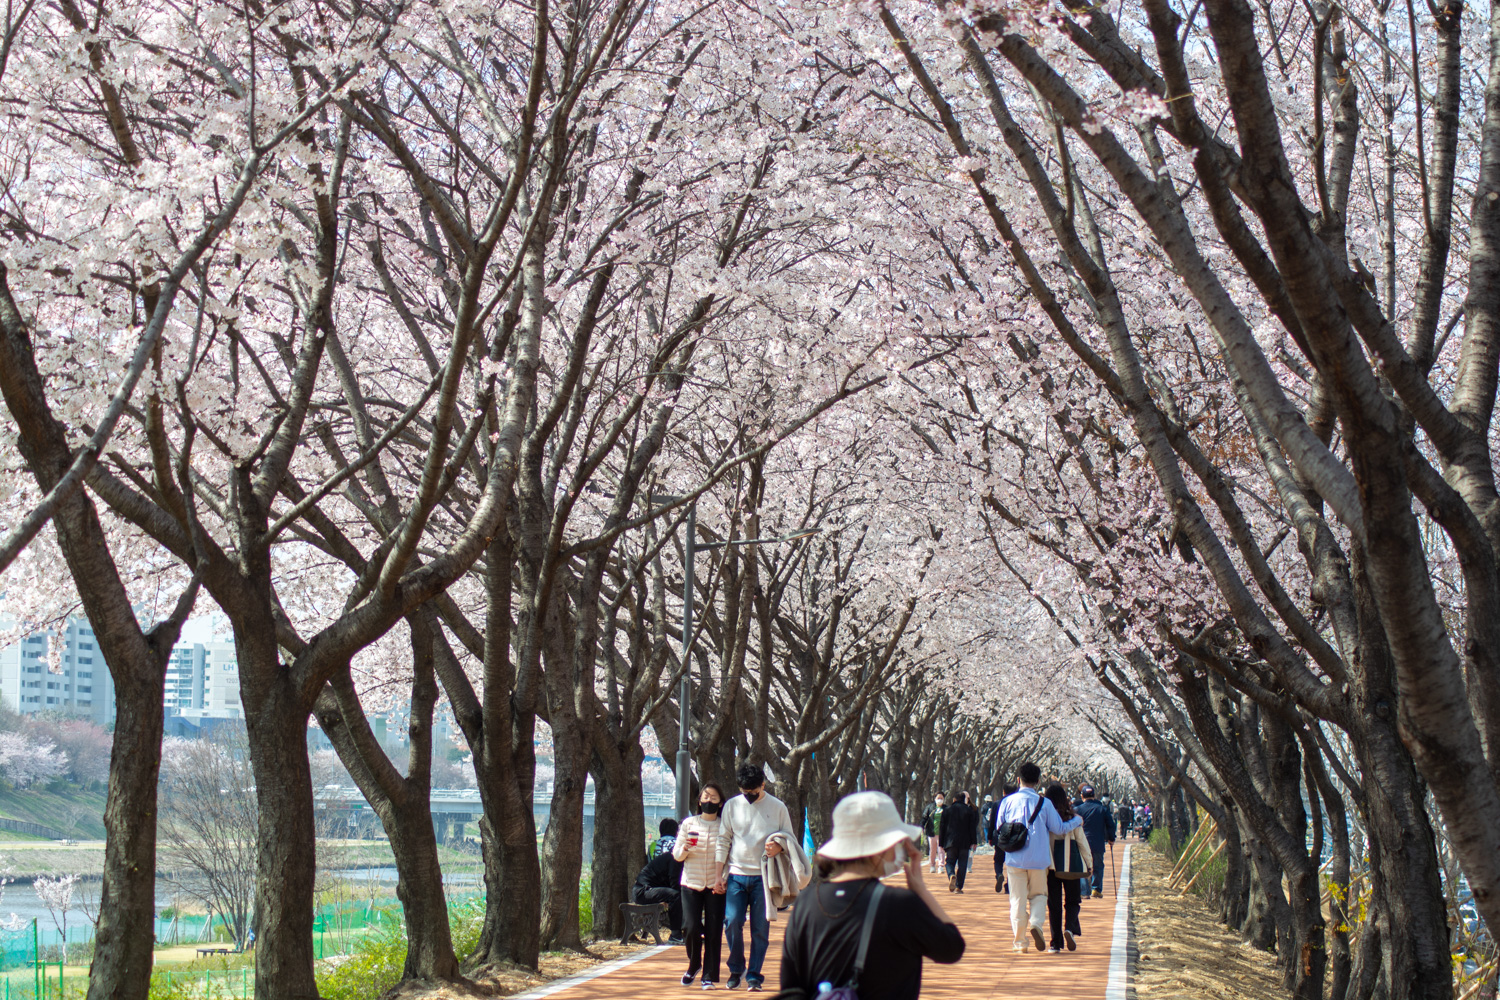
1114,875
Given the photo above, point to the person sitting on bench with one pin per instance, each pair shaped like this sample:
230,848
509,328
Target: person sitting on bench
659,882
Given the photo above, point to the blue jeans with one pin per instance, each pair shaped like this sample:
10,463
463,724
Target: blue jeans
745,894
1099,860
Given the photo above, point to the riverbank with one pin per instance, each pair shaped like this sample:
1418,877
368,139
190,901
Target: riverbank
29,859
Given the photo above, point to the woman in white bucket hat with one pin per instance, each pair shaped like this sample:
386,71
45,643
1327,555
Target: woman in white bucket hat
823,940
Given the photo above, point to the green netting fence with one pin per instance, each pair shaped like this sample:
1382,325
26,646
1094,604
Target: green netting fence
31,968
25,972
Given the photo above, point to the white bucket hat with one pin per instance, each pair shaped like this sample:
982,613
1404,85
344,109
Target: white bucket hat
866,824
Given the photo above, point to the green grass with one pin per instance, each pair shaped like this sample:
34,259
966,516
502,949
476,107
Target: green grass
376,962
374,967
1162,841
29,862
12,837
74,812
1211,882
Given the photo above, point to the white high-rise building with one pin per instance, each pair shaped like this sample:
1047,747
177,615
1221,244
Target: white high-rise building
184,679
203,681
221,686
81,687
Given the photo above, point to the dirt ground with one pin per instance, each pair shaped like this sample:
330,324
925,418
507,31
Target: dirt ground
555,965
1184,952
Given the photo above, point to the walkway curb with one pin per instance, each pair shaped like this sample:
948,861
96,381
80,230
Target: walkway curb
603,969
1122,947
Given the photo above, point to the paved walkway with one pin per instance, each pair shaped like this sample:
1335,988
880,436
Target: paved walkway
1097,971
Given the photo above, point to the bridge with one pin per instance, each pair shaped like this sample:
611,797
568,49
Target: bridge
343,811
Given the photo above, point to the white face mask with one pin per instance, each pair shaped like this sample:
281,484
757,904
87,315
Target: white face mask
891,867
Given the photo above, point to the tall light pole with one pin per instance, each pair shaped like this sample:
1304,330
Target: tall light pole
685,689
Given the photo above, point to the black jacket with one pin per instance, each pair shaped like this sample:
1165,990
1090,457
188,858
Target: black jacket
959,827
661,872
1098,824
929,825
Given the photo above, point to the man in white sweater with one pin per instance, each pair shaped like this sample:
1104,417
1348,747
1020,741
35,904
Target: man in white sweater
749,818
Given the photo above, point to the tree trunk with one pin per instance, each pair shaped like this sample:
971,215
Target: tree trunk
562,844
1405,880
1266,910
137,663
404,804
419,886
125,932
619,837
512,882
1233,904
501,731
286,863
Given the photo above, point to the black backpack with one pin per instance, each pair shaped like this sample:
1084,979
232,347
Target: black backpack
1011,837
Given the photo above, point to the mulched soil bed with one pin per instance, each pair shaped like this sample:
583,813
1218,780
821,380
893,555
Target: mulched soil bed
1184,952
555,965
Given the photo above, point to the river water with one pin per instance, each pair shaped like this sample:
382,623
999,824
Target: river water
20,905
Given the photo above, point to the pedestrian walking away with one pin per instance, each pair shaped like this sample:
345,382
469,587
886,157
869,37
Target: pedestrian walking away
932,816
1099,828
852,937
1070,868
992,822
745,830
1026,819
702,904
956,833
1123,816
660,881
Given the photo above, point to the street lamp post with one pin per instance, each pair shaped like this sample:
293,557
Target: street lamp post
685,721
684,691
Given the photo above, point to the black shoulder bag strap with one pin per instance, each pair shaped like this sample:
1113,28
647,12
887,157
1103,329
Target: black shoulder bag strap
864,934
1041,800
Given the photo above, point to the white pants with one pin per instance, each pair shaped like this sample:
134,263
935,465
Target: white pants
938,859
1028,888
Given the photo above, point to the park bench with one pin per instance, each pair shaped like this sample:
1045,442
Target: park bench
642,919
216,951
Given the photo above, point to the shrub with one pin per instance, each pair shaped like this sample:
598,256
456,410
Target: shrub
586,906
1211,880
466,918
1162,841
374,966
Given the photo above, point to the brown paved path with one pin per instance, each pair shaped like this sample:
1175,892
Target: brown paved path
988,969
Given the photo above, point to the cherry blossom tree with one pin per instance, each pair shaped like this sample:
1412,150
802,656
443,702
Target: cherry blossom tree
25,760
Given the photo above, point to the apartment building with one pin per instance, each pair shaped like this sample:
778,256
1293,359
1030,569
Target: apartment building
79,685
203,682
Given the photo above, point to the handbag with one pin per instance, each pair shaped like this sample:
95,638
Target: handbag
827,991
1012,837
1075,865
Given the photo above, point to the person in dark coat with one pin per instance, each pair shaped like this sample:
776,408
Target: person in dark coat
992,823
956,833
660,881
1099,829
